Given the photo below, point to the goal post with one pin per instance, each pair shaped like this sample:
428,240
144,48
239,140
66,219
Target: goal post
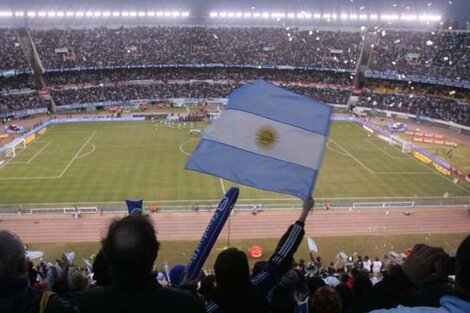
12,149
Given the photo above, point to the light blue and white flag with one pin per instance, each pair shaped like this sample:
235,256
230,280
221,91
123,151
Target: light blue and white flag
268,138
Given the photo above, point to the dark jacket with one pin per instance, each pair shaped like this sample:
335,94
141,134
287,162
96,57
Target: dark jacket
279,263
17,297
149,298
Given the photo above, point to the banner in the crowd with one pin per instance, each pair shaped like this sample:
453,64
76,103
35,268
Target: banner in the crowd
33,255
134,206
42,131
212,232
312,246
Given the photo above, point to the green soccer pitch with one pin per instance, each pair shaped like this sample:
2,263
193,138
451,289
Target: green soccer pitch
103,163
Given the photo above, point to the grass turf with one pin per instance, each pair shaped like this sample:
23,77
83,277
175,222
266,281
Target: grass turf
89,163
179,252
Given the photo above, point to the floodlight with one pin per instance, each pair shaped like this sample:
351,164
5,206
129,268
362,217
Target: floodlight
353,16
290,15
185,14
141,14
223,14
265,15
175,14
344,16
167,14
133,14
97,14
6,14
213,14
125,13
69,14
151,13
317,15
106,14
247,14
89,14
19,13
79,14
231,14
238,14
256,15
31,14
51,14
159,14
374,17
363,17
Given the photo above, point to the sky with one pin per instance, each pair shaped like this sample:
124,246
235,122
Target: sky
452,9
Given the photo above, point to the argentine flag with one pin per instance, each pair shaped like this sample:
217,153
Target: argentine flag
268,138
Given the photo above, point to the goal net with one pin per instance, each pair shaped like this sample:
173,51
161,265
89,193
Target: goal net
12,150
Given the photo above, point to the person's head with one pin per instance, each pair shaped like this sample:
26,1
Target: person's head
231,270
131,248
101,271
314,283
12,256
462,271
258,267
325,300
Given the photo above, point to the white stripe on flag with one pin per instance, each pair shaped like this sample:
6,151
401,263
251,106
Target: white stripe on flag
291,144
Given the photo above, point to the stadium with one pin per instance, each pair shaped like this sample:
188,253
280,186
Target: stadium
104,108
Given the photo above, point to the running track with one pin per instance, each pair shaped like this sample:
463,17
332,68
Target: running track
267,224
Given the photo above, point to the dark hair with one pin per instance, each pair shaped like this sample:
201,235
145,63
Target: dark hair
325,300
231,270
463,265
101,270
12,256
258,267
131,248
315,283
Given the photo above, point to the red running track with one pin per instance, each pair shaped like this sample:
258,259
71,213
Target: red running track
267,224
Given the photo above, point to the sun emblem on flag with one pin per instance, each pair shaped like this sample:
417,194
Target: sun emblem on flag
267,137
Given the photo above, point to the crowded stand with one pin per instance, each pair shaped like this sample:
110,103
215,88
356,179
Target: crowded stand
185,73
443,109
430,53
122,277
195,90
11,52
100,47
19,102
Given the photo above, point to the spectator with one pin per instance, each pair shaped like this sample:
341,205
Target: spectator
325,300
130,249
235,291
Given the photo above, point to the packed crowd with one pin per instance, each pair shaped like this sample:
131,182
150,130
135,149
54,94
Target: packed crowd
11,53
18,102
443,109
65,48
198,90
123,278
185,73
435,53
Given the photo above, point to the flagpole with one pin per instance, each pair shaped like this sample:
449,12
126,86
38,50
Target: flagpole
228,232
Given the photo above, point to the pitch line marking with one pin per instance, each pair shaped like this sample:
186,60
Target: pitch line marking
93,148
222,184
183,144
438,174
383,150
76,154
37,153
334,150
353,157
